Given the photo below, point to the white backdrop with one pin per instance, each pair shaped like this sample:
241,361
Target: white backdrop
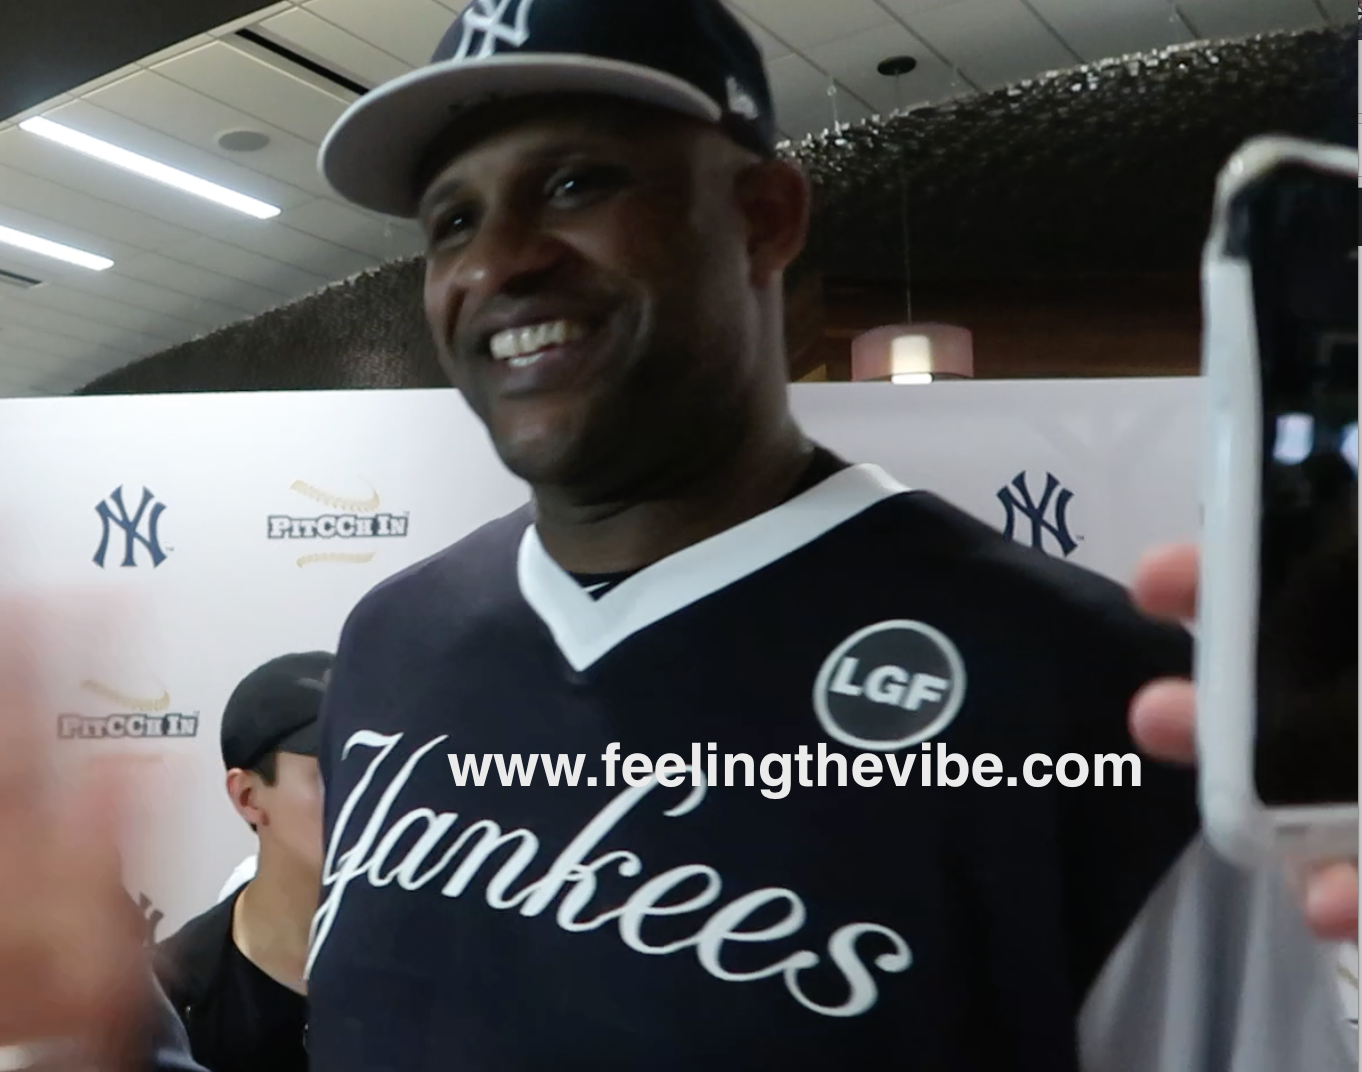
175,637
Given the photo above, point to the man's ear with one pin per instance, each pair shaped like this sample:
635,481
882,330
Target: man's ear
774,198
243,789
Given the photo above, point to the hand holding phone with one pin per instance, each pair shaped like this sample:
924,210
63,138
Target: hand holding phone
1276,676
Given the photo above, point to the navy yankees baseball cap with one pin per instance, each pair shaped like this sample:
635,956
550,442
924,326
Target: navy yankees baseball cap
690,56
275,709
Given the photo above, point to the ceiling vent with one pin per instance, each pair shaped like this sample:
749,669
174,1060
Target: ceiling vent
22,282
274,52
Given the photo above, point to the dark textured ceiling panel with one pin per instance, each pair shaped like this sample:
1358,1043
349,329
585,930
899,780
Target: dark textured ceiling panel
48,47
1104,168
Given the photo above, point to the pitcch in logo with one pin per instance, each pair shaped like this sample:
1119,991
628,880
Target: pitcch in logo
136,718
347,519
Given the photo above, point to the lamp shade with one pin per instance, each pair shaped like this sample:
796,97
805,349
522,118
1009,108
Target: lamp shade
913,353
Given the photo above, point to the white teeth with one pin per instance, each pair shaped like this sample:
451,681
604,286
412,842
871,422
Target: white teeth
533,340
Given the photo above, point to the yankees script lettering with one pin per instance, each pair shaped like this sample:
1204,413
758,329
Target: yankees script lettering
372,857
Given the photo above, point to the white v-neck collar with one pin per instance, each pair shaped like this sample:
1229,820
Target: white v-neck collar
586,629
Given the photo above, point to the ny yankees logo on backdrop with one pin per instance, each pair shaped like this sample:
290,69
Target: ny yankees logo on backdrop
131,526
489,23
1050,514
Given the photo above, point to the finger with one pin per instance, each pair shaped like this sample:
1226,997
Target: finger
22,768
1331,902
1165,582
1162,720
21,771
97,945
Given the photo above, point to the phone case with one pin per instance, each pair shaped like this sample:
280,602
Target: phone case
1236,821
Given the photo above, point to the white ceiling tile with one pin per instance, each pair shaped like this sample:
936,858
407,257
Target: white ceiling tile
993,42
853,61
70,350
104,80
176,303
44,318
1241,18
20,365
345,226
46,269
194,282
169,121
66,234
812,22
90,215
802,102
408,29
244,265
177,49
257,88
40,158
304,251
138,136
80,304
247,21
906,9
42,109
772,48
326,43
1115,29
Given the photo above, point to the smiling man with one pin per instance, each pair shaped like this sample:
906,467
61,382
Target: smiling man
608,229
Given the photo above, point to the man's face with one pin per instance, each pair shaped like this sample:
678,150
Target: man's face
291,809
589,286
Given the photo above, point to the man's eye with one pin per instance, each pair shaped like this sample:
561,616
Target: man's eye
576,187
450,227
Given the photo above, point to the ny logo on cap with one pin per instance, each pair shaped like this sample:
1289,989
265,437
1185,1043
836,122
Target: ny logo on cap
487,23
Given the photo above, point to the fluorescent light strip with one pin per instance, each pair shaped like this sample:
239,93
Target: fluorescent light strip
148,168
56,250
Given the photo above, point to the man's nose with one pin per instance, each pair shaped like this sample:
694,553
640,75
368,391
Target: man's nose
509,250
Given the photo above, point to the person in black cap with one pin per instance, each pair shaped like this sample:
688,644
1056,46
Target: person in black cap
608,228
235,973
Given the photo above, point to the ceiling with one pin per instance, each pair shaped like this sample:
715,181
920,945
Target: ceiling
184,266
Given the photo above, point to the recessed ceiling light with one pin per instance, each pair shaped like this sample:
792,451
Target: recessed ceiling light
243,141
47,248
896,65
148,168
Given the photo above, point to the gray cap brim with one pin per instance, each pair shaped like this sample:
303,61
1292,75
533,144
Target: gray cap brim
372,155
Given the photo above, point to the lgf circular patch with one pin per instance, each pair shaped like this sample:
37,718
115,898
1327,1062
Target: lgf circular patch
890,685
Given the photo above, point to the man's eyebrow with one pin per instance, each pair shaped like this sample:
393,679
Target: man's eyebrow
443,189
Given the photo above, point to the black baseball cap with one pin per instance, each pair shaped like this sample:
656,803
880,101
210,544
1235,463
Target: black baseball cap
275,709
690,56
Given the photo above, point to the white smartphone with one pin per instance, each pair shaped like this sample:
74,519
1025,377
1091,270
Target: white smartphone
1277,615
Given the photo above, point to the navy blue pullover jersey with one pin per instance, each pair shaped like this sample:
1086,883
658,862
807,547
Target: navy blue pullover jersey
711,919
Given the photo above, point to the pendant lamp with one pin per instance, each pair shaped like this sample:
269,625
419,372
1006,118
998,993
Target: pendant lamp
911,353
